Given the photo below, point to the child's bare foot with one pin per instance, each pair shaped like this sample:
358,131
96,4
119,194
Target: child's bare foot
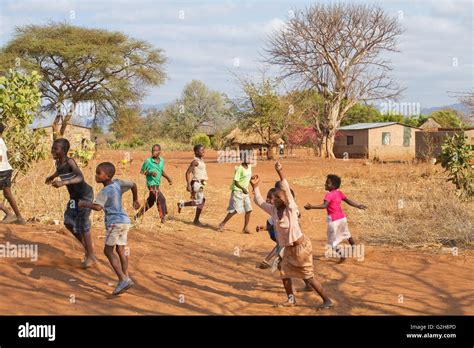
263,265
198,223
221,227
180,206
327,304
246,231
286,304
89,262
163,220
10,219
8,216
20,221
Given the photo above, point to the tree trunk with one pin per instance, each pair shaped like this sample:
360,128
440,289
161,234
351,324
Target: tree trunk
55,126
270,148
66,120
330,145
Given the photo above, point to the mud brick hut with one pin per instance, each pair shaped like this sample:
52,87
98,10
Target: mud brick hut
429,140
385,141
76,130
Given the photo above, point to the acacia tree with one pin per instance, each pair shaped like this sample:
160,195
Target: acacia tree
106,69
336,50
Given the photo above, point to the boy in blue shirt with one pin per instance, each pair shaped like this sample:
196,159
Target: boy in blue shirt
117,222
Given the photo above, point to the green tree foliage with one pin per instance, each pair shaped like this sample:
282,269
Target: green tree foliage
447,118
202,139
127,124
263,111
197,107
19,99
360,113
456,155
107,69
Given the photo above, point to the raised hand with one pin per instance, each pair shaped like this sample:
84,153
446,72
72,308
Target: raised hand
254,180
278,166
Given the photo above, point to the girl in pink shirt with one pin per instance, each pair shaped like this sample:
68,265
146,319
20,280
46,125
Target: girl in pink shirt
297,259
338,229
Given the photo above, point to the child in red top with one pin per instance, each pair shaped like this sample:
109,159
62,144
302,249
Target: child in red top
338,229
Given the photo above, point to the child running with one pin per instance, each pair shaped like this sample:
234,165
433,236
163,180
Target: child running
338,229
266,263
239,201
153,169
6,172
196,178
76,219
297,258
117,222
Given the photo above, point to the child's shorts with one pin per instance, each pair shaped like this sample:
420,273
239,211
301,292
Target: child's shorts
116,234
239,202
271,232
78,218
5,178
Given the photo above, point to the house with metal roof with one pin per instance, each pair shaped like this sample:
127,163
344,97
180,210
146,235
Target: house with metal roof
78,128
385,141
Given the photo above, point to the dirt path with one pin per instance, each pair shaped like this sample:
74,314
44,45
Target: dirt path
184,270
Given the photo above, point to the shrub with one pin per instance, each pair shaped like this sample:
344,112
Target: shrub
19,99
202,139
455,157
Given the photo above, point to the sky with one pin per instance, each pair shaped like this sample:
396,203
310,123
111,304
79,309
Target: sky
213,40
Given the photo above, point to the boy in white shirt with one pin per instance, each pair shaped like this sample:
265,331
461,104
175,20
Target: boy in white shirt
5,185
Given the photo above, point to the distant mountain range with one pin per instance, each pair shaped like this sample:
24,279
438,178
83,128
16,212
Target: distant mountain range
160,106
458,107
424,111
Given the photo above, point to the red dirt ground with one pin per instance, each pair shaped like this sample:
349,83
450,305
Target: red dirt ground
180,269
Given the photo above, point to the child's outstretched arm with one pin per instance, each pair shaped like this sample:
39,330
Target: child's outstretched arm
279,170
285,186
78,177
90,205
188,175
164,175
136,204
309,206
126,185
354,204
257,198
50,178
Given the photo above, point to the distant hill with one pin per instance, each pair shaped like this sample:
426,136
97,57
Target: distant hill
458,107
160,106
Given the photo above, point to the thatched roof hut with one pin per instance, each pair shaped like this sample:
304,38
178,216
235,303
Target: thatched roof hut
430,125
239,137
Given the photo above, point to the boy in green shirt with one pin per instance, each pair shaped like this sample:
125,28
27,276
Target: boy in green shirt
240,199
153,169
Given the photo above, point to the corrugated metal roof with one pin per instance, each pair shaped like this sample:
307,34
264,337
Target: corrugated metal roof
46,120
368,125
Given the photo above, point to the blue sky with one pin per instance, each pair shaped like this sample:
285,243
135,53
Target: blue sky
204,39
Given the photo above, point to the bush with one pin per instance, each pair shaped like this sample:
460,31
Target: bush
20,97
202,139
455,158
